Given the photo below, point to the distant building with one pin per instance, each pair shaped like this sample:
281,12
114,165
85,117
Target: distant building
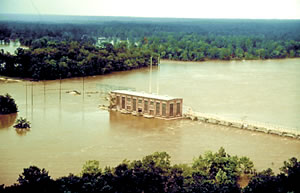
102,39
145,104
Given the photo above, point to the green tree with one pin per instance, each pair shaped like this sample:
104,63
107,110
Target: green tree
22,123
261,53
7,104
91,167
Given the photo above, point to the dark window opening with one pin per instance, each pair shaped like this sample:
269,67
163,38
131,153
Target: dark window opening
145,106
171,109
164,109
118,100
157,108
178,110
134,104
123,102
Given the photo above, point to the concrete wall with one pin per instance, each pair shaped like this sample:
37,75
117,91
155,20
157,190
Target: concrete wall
240,125
140,104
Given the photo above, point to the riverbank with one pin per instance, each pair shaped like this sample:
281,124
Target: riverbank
167,61
10,79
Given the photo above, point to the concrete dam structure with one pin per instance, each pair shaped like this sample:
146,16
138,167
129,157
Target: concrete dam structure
248,125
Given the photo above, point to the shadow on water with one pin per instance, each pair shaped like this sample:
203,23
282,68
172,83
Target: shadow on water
8,120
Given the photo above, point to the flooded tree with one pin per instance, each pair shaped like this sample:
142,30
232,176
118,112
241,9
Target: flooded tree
22,123
7,105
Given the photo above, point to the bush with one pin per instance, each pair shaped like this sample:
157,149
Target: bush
22,123
7,105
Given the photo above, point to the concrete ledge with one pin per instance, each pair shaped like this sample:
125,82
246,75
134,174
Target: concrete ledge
252,128
224,123
241,125
213,121
275,132
290,135
237,125
262,129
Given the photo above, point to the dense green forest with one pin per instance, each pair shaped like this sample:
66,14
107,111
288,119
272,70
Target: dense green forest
72,47
210,173
53,60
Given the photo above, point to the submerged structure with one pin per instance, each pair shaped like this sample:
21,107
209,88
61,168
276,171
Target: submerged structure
145,104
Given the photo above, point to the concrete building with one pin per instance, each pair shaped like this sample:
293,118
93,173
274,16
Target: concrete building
145,104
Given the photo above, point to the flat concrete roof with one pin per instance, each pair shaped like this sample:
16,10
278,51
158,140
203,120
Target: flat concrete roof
146,95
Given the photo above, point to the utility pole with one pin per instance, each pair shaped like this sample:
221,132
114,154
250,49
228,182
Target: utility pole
150,81
83,88
26,98
157,75
32,100
60,88
44,108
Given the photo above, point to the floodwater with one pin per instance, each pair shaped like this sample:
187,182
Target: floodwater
11,47
69,129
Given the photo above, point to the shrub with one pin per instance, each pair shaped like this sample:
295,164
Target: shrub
7,105
22,123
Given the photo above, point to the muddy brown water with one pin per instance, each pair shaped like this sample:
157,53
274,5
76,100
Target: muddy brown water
7,120
69,129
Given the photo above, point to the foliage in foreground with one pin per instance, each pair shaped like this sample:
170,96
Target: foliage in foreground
212,172
7,105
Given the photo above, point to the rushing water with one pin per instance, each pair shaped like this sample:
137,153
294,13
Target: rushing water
68,130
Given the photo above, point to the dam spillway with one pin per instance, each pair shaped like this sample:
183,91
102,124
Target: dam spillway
242,124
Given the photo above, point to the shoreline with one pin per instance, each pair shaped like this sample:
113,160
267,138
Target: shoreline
231,60
167,61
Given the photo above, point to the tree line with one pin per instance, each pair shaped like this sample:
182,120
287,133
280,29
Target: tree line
178,39
72,49
211,172
136,28
51,59
194,47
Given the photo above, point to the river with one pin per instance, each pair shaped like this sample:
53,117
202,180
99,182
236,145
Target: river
68,130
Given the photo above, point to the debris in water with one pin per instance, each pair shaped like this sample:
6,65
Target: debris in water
74,92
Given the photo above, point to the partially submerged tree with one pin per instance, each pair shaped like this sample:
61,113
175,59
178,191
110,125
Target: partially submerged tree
22,123
7,105
286,181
